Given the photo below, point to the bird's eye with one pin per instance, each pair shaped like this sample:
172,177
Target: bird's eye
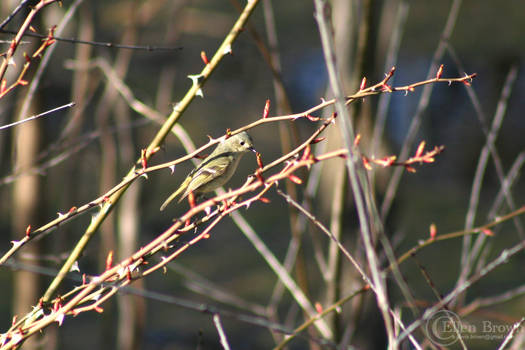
242,143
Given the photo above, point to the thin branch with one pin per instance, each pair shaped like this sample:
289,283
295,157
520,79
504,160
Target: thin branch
492,300
505,187
59,152
483,229
503,258
110,45
43,114
35,82
220,330
334,307
516,328
358,180
422,106
390,61
467,258
480,114
7,57
209,289
317,223
17,9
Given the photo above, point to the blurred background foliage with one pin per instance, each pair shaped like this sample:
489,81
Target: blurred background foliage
488,39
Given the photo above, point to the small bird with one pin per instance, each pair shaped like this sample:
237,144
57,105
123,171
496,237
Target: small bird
216,169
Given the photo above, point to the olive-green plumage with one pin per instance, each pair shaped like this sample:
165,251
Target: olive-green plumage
216,169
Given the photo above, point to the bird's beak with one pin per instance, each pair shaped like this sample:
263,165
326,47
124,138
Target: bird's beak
252,149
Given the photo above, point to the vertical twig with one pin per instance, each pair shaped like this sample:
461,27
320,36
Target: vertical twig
220,330
281,272
498,163
466,255
422,106
357,176
503,258
511,177
390,61
287,132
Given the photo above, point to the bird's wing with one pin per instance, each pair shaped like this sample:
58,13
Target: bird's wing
200,180
209,170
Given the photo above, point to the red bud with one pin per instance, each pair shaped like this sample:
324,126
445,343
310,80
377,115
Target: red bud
439,72
204,57
143,159
191,199
266,110
363,84
295,179
259,160
99,309
433,231
318,307
420,149
109,260
366,163
487,232
357,140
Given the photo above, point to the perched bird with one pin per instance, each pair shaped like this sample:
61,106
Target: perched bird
216,169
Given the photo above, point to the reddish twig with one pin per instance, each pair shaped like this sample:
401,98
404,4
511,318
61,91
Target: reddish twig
419,157
8,56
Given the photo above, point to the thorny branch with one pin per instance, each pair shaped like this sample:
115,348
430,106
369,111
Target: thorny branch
92,294
89,296
363,92
8,56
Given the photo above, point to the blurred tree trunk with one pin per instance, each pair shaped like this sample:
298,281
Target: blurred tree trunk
26,191
353,42
132,308
25,203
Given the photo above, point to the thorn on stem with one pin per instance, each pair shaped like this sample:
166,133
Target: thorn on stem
295,179
204,57
363,84
259,160
266,110
439,72
357,140
264,200
191,199
433,231
109,260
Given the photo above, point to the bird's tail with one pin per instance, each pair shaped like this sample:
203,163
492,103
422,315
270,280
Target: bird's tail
170,198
